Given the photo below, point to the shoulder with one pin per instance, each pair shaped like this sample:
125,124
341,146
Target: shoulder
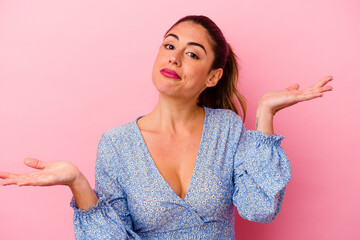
224,116
224,126
125,131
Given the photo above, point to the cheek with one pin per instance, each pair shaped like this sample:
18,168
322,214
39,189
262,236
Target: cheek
154,75
156,66
199,74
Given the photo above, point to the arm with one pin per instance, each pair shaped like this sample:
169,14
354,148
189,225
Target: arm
261,167
83,193
261,173
109,218
273,102
51,174
98,214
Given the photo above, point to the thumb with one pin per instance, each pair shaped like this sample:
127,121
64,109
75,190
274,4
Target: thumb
295,86
34,163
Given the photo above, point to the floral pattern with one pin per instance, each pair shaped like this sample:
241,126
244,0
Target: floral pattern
235,167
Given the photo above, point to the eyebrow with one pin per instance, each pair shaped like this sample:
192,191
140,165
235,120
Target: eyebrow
189,43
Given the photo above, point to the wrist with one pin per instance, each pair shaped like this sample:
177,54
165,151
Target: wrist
83,193
264,110
264,119
78,181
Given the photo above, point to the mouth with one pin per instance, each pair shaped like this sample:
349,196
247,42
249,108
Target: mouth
169,73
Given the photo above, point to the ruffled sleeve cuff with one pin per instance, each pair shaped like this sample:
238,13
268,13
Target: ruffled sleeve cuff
267,162
98,222
259,137
101,204
102,208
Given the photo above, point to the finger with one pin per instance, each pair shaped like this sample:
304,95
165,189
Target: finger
34,163
326,89
317,90
21,180
10,181
24,183
27,182
323,81
293,87
4,174
308,96
37,180
7,175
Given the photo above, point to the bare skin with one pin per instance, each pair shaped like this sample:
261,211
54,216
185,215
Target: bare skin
172,131
173,147
272,102
51,174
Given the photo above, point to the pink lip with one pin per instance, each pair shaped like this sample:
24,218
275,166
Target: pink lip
169,73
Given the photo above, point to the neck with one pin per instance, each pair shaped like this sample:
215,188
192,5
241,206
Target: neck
173,115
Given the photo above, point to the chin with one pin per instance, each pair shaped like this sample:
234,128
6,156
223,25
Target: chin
165,89
164,84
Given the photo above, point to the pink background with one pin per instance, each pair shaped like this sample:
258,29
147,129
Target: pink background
71,70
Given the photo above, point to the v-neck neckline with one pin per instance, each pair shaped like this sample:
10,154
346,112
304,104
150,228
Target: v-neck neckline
145,148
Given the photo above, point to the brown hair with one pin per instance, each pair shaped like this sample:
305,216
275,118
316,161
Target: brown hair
224,93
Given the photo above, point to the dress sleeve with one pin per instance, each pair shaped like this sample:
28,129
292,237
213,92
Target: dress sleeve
110,218
261,173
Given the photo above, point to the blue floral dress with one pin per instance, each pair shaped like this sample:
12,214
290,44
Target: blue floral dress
234,168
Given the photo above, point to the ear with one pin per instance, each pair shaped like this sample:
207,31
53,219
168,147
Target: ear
214,77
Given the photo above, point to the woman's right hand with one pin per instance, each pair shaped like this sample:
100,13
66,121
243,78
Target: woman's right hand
48,174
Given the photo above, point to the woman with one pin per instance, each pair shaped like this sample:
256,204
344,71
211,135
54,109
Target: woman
179,171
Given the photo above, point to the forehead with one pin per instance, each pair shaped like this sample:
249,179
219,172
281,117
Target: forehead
191,32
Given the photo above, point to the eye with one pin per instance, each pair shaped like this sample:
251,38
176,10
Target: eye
169,46
193,55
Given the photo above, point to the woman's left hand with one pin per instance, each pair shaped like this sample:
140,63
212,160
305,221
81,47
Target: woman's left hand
277,100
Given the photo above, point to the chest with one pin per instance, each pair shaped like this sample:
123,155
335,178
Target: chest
204,182
174,157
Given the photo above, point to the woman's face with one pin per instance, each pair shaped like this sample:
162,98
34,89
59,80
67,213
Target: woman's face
182,66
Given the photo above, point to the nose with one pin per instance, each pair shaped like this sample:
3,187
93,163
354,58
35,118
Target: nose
175,59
